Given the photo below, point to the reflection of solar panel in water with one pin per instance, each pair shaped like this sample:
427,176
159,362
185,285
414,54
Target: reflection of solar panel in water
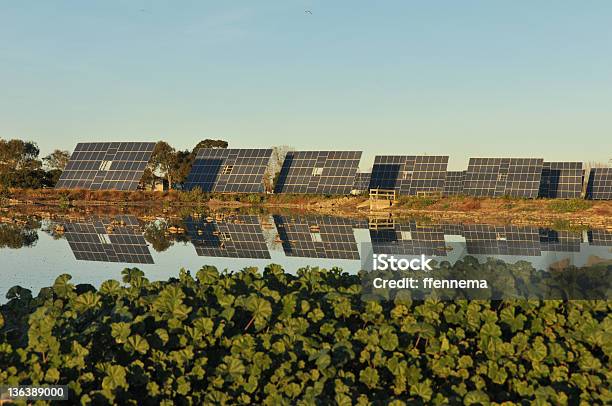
453,186
599,186
323,172
106,165
108,240
559,241
561,180
362,181
408,239
409,175
600,238
229,170
238,236
495,177
317,237
483,239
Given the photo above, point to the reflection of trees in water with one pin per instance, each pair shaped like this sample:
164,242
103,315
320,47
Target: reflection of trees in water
156,235
17,236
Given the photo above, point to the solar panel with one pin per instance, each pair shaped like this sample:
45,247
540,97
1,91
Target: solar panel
599,186
559,241
322,172
106,165
496,177
237,236
600,238
362,181
409,175
561,180
229,170
453,186
408,238
118,239
317,237
483,239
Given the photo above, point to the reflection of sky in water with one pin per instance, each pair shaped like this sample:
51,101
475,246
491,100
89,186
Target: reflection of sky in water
38,266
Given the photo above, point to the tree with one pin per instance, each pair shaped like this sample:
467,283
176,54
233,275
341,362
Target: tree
164,161
17,155
58,159
208,143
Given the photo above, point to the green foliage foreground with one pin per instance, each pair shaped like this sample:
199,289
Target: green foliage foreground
276,338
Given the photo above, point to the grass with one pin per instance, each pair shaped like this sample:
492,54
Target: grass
412,202
569,206
566,225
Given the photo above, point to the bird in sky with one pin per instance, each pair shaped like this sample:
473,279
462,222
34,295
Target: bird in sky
308,12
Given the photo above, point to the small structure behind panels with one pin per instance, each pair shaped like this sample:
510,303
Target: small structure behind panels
229,170
106,165
318,172
410,175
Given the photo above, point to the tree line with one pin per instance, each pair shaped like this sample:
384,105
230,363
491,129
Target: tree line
22,167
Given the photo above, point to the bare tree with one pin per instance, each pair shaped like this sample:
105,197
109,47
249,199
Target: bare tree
276,163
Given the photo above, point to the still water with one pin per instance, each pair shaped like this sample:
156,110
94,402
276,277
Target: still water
95,248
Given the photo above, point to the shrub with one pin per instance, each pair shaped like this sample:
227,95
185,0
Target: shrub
278,338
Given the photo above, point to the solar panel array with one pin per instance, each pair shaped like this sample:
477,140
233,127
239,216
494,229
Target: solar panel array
229,170
409,238
317,237
600,238
559,240
496,177
561,180
599,186
106,165
453,186
118,239
409,175
322,172
483,239
238,236
362,181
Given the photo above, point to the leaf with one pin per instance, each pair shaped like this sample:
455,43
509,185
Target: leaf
369,376
137,343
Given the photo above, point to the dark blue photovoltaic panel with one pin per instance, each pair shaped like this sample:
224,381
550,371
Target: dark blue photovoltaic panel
599,186
453,186
408,238
410,175
362,181
496,177
116,239
484,239
318,172
559,240
317,237
561,180
106,165
229,170
235,236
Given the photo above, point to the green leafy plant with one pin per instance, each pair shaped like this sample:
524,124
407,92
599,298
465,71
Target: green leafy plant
271,337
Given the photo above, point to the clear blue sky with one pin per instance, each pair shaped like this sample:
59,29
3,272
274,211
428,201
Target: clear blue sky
463,78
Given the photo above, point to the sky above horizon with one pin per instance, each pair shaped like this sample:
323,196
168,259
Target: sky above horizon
470,78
